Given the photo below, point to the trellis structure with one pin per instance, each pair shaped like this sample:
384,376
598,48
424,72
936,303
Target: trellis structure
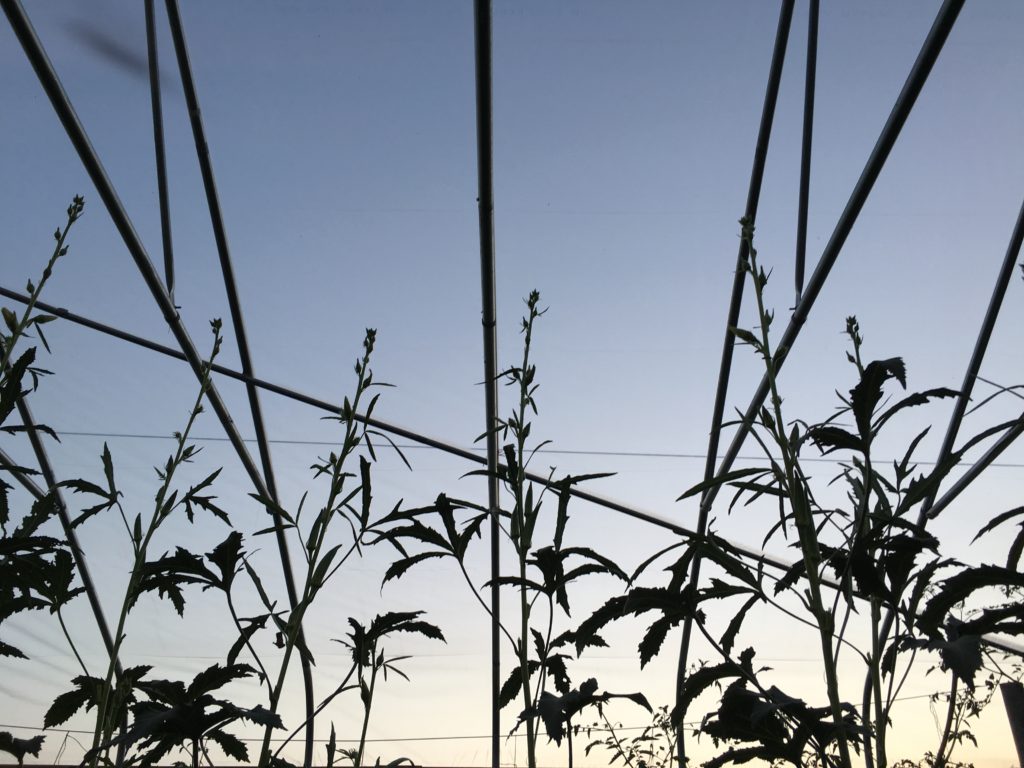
260,468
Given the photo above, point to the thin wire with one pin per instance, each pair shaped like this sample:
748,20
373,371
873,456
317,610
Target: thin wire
552,451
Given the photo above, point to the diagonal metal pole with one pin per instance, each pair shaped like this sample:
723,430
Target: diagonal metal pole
750,212
384,426
988,325
805,149
238,323
76,133
929,508
922,67
70,536
158,146
485,203
87,154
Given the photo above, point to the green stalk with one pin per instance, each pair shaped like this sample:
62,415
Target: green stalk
74,213
876,680
104,725
801,512
67,636
337,463
366,708
940,754
525,540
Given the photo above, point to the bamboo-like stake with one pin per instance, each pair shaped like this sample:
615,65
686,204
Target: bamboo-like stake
485,203
805,148
241,338
158,146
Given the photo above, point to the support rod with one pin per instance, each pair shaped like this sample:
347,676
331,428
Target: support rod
158,146
91,593
922,67
805,149
988,325
485,205
384,426
238,323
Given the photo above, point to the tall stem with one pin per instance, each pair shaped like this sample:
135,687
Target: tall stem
800,503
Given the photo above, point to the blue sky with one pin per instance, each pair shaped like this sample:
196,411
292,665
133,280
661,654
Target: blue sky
343,139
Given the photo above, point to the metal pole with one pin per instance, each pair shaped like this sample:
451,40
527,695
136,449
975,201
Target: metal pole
485,201
65,521
238,322
930,50
384,426
1013,700
158,145
988,324
87,154
805,150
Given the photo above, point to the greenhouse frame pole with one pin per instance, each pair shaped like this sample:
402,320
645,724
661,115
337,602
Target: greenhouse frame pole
87,154
241,338
69,532
988,324
485,205
810,74
158,146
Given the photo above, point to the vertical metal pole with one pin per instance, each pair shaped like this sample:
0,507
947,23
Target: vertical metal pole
485,200
158,145
805,150
739,279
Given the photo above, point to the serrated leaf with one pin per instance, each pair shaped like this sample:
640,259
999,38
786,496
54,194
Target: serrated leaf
20,747
233,746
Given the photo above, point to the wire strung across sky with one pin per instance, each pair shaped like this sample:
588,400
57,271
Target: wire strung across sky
552,451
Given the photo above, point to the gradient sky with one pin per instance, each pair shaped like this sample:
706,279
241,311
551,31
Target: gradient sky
343,139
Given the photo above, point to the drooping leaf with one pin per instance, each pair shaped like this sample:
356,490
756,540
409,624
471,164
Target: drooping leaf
226,556
233,746
729,636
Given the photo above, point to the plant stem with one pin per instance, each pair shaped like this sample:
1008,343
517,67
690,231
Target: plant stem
104,723
366,708
67,636
342,687
312,549
7,349
876,679
799,501
940,753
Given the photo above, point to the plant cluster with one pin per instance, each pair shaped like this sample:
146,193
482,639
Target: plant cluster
870,581
139,718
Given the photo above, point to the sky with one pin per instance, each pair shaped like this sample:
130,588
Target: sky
342,136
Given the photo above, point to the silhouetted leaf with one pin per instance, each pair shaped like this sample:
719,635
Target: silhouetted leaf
719,480
10,650
729,637
226,556
233,746
866,395
829,438
253,625
20,747
399,567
